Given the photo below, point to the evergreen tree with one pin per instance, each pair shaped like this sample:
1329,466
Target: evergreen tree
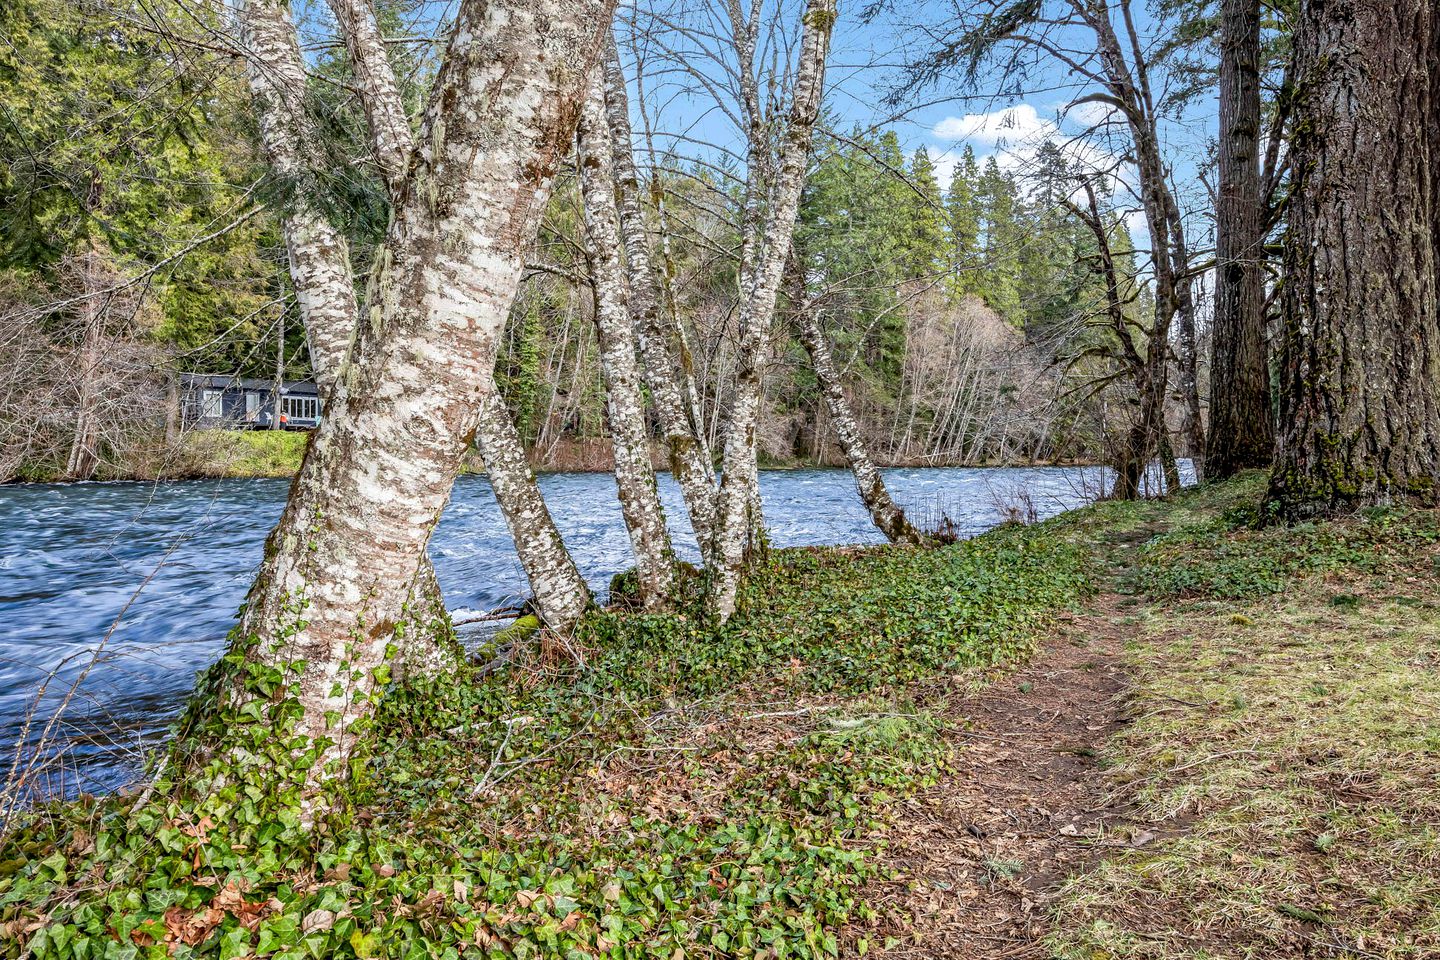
1001,241
112,143
925,226
962,215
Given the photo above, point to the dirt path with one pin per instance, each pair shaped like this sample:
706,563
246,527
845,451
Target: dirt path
980,856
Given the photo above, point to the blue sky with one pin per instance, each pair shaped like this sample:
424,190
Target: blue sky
1001,118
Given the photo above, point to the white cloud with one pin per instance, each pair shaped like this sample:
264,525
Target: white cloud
1009,127
1091,114
1013,135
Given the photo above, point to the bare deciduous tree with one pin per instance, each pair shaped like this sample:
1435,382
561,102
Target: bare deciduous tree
659,331
767,224
625,406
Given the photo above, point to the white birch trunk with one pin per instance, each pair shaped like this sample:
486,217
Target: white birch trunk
338,567
319,255
768,251
690,460
888,516
390,139
561,594
624,403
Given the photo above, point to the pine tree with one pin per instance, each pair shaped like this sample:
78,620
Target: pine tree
925,227
962,209
1360,351
1001,241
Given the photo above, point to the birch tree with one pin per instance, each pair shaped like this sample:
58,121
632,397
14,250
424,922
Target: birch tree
625,406
767,225
308,658
319,257
561,594
869,483
318,253
659,331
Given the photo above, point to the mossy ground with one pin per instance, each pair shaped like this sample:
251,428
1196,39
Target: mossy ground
1284,742
245,453
690,792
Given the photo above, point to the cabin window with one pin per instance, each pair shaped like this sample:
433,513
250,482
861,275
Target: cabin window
252,405
212,404
302,408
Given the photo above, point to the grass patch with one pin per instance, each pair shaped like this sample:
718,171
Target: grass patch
690,792
1285,749
246,453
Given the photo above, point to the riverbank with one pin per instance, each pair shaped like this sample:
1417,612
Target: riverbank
241,454
1135,730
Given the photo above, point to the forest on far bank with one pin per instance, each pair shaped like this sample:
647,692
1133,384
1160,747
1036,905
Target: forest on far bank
141,238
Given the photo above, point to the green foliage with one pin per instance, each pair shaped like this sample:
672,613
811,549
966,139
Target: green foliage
638,806
247,453
111,141
519,370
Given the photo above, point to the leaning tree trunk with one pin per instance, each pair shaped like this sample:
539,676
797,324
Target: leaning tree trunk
561,594
624,404
873,493
1242,433
767,251
690,462
1360,372
319,256
287,705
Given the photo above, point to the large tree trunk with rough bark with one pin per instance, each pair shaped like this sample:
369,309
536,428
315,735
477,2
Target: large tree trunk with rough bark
320,619
1360,371
1242,433
319,255
561,594
764,253
659,333
624,403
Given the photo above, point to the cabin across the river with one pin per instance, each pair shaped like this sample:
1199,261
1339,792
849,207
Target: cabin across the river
220,401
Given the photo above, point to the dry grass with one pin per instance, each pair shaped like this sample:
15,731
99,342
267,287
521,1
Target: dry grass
1287,753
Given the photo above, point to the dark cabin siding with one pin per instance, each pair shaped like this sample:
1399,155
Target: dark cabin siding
234,411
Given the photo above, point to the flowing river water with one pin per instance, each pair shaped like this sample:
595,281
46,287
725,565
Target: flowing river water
113,595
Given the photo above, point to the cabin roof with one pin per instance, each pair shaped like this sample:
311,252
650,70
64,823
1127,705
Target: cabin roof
227,381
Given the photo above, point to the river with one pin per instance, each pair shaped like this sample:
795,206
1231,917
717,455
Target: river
121,592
